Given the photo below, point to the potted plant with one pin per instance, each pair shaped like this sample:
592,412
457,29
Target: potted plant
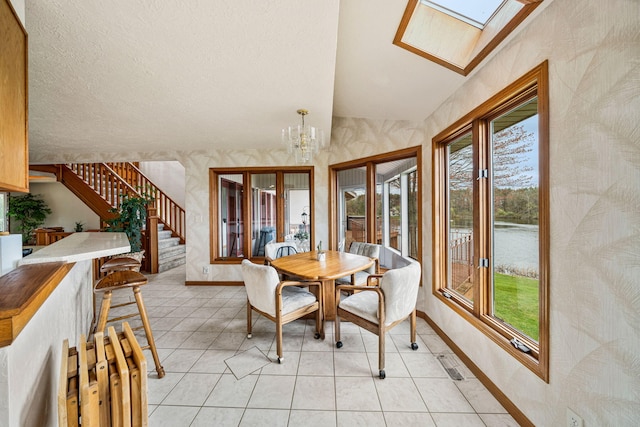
31,211
79,226
131,217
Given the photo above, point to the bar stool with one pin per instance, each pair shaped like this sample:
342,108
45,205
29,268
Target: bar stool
119,264
120,280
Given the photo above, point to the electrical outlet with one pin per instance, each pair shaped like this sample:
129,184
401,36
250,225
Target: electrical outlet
573,420
205,269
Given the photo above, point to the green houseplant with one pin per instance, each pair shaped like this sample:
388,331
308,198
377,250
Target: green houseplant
31,211
130,218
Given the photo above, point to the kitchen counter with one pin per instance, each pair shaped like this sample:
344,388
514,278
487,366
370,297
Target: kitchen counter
80,247
46,299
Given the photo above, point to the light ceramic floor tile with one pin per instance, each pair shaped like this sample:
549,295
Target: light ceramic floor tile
435,343
352,342
316,363
181,360
498,420
416,419
228,341
371,343
219,417
314,393
164,323
173,416
199,340
394,366
232,393
213,325
289,365
192,390
171,339
197,328
181,311
356,394
247,362
457,420
263,341
399,394
265,417
479,397
351,364
403,344
360,419
274,392
212,361
442,395
423,365
159,388
309,342
303,418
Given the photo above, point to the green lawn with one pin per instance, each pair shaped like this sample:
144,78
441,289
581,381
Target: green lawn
516,302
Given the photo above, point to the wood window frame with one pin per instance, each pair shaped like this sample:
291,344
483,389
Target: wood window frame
370,164
246,173
478,313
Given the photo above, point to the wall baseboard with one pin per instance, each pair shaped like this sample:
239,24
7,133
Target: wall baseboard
511,408
212,283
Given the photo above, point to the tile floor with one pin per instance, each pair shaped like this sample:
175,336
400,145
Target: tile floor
200,333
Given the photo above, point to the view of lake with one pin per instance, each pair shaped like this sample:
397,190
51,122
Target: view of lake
515,245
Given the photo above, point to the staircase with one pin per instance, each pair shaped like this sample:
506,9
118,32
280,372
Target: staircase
171,253
101,187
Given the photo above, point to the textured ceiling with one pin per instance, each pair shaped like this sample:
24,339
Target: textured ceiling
123,76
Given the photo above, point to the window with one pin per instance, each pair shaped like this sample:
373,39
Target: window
276,205
491,219
376,200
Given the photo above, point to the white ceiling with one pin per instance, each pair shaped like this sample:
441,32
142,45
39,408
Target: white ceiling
163,75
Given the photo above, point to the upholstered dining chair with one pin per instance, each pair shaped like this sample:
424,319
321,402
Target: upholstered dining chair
279,301
273,250
370,250
379,307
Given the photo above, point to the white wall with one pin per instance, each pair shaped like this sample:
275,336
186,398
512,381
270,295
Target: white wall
18,6
66,208
169,176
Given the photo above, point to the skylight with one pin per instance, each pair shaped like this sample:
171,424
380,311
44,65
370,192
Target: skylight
459,34
476,12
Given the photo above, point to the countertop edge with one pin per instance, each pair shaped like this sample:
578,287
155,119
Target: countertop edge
14,319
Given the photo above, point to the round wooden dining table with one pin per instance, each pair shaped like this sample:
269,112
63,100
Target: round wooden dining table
305,266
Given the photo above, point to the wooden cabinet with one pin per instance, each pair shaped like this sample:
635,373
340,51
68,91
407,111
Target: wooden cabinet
14,151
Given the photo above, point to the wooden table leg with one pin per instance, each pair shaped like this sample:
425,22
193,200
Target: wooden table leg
329,299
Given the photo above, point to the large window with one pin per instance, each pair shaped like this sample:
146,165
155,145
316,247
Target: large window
252,206
491,219
376,200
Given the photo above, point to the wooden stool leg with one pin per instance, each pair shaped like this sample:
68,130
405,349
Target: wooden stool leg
104,312
147,330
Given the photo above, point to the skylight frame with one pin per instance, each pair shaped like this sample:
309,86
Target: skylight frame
454,43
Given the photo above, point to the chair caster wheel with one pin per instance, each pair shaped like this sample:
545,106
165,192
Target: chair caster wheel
339,344
280,359
414,346
317,335
249,336
382,374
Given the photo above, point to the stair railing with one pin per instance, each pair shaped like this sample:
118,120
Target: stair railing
169,212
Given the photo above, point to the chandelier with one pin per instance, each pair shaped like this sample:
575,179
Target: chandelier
303,140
